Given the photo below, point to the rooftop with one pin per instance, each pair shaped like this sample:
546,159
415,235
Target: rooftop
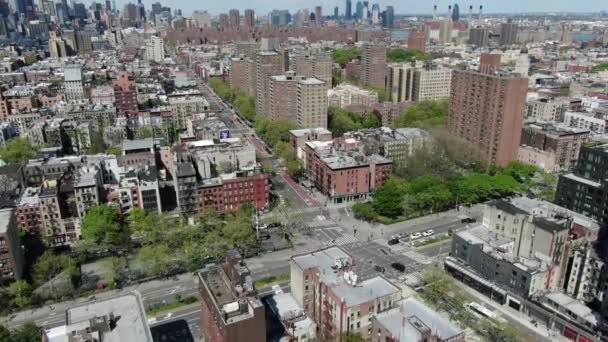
5,219
419,318
303,131
126,314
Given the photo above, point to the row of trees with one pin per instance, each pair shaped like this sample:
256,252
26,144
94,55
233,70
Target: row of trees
29,332
400,198
441,293
341,121
399,55
274,132
344,56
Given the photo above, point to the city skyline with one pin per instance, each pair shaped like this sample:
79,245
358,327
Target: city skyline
262,7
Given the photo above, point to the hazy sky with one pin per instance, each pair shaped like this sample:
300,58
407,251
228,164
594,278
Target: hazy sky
401,6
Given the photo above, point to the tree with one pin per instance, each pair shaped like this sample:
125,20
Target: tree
29,332
5,334
405,55
341,121
21,293
344,56
102,225
387,199
18,150
49,265
157,259
115,150
152,227
424,114
97,143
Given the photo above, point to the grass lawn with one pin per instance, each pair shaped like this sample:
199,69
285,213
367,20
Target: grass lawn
271,280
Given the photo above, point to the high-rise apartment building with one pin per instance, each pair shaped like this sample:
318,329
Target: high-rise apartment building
242,75
234,18
487,110
479,36
584,190
283,96
155,49
74,89
318,65
409,83
11,254
311,103
267,64
125,94
416,40
224,21
489,63
249,19
389,17
508,33
319,15
373,65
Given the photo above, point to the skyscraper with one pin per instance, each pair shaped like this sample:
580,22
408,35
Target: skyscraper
508,33
319,15
359,10
486,111
234,18
249,18
349,9
373,65
375,14
390,17
455,13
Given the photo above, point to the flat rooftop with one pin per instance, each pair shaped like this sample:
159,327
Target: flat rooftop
130,321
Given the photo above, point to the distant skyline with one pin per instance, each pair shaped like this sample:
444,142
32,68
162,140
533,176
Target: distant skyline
262,7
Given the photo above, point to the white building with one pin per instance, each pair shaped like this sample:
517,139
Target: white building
311,103
74,91
155,49
585,121
346,95
407,83
544,109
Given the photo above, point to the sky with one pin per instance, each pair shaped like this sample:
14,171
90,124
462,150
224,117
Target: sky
262,7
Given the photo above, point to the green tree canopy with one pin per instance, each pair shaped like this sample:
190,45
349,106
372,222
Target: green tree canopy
21,293
343,56
387,200
341,121
405,55
49,265
102,225
18,150
29,332
424,114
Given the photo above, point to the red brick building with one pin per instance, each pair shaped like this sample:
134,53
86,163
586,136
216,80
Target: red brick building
345,175
224,194
125,92
486,110
230,310
417,40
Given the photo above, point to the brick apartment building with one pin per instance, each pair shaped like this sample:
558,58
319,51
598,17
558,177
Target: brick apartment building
267,64
230,192
323,284
231,310
283,97
373,65
554,144
242,75
125,94
345,175
417,40
11,255
486,110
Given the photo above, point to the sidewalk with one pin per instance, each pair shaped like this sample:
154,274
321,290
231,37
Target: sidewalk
513,315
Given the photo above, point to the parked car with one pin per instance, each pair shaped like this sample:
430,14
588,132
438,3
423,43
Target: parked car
398,266
379,268
428,233
468,220
416,235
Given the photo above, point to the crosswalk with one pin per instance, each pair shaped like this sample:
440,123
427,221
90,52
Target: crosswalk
420,258
334,236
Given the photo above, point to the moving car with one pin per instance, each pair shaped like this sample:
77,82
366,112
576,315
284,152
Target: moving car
468,220
398,266
416,235
428,232
379,268
393,241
